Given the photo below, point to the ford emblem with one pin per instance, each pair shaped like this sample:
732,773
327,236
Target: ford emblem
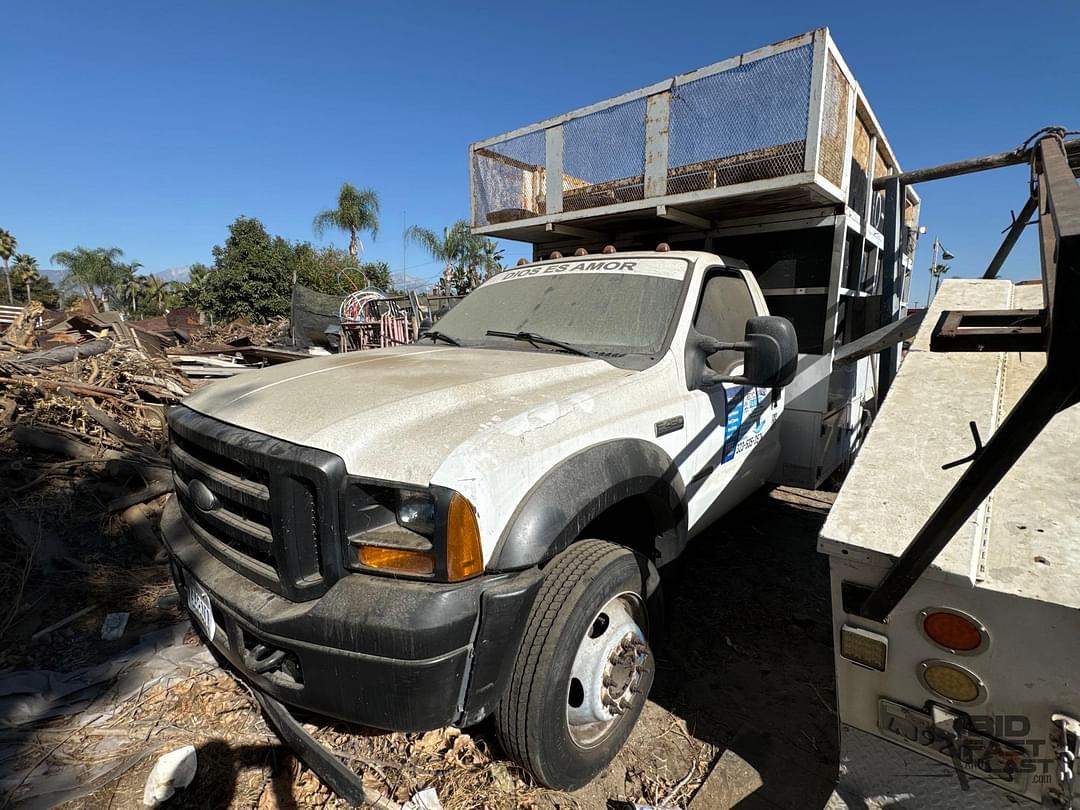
202,497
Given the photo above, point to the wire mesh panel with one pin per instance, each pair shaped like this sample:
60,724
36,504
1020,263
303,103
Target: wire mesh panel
834,122
743,124
604,157
860,165
508,180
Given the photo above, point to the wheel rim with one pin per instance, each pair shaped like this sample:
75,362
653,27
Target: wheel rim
612,661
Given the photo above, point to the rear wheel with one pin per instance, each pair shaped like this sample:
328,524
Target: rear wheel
584,668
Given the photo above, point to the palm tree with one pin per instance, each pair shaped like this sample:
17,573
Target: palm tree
937,271
357,210
127,287
465,254
491,258
7,250
95,271
158,293
26,270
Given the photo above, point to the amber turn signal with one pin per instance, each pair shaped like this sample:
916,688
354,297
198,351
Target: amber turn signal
464,556
400,560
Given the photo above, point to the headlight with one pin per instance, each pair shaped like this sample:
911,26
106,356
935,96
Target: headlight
390,529
430,533
416,511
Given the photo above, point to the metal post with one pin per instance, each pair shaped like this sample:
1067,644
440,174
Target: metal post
933,264
890,273
1015,230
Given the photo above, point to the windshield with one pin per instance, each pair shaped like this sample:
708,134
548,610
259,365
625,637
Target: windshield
622,306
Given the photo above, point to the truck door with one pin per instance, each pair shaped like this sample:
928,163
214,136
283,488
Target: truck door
733,447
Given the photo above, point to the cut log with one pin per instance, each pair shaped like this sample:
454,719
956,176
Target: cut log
115,428
62,445
130,468
65,354
147,493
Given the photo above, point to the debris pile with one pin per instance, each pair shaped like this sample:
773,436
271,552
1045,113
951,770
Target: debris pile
84,475
233,348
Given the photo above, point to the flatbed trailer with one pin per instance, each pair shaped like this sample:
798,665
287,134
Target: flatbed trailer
954,568
1014,567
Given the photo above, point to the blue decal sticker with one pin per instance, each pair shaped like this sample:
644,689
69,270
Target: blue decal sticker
735,397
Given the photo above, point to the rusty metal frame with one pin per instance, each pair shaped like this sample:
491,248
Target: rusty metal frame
992,330
1054,329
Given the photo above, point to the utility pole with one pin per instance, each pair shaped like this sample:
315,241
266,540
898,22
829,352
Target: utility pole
933,267
403,244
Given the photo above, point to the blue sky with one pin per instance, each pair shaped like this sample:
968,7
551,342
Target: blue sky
152,126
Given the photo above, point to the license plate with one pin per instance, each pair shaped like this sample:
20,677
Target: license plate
198,602
971,752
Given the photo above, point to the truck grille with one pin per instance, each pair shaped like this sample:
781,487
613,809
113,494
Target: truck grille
267,508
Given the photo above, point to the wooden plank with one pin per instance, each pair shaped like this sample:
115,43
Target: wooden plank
888,335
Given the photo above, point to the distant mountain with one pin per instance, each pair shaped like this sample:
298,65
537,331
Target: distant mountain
53,274
181,274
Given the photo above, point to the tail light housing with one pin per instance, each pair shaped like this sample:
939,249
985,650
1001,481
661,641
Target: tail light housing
953,630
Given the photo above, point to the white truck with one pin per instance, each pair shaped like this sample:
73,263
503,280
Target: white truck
581,419
477,524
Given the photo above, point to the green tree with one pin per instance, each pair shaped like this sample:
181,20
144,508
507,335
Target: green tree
96,272
251,277
43,290
357,210
469,259
331,270
8,244
26,271
188,292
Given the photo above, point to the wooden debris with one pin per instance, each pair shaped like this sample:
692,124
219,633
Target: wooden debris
62,623
65,354
147,493
62,444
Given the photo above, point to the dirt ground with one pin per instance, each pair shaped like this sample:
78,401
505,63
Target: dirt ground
741,713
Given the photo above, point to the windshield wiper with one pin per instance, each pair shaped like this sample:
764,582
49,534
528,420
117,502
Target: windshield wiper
431,333
537,340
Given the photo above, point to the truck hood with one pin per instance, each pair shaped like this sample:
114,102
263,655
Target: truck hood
396,414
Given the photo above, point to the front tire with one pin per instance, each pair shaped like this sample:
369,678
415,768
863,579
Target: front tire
584,668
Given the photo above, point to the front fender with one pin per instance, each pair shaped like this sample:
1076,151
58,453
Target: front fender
569,497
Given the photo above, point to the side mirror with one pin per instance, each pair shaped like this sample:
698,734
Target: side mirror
770,354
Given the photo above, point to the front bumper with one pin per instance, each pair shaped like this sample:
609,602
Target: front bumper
383,652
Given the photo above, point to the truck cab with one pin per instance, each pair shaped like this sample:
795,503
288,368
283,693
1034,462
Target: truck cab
476,524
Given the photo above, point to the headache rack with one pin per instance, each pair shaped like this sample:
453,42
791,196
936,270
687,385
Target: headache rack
784,127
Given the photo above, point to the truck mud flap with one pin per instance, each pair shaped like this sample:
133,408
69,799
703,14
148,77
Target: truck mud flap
331,770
